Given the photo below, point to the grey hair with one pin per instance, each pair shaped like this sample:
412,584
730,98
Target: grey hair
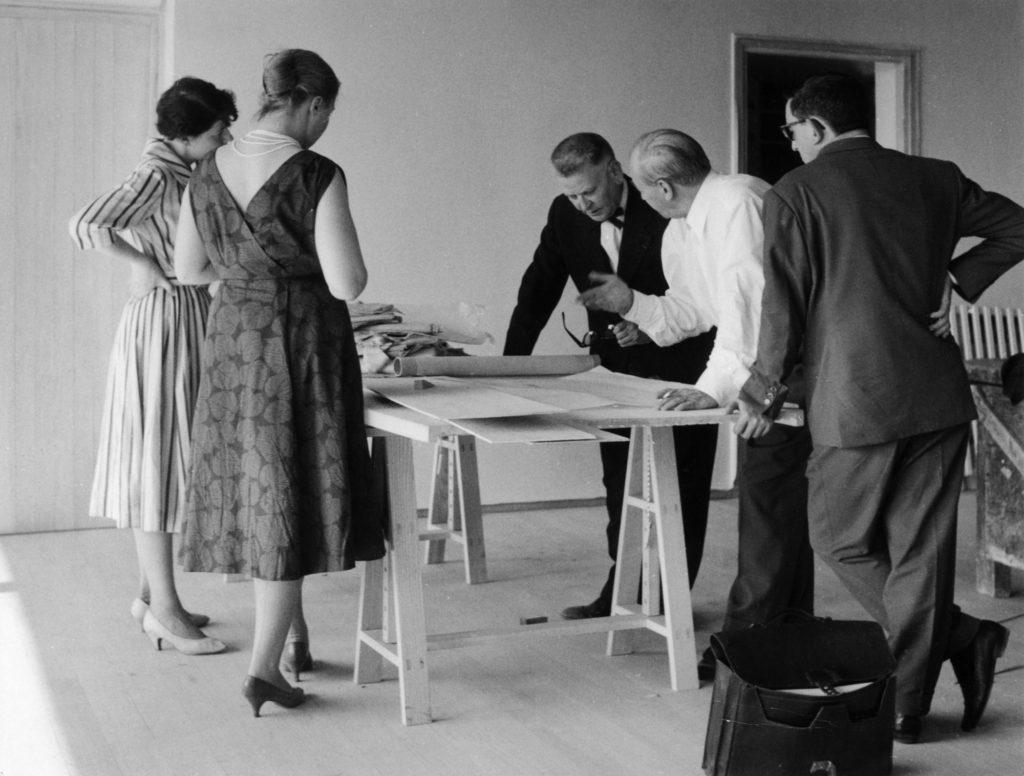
670,155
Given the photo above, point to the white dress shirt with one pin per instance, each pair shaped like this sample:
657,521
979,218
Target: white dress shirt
611,235
712,260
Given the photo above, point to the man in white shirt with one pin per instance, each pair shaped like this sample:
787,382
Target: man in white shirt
712,260
711,257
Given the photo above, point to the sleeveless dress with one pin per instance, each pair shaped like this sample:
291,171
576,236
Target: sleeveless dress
280,483
153,374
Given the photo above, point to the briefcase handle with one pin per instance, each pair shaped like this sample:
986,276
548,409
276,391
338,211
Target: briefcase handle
824,680
793,613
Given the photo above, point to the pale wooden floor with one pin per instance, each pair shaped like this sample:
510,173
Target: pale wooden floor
83,692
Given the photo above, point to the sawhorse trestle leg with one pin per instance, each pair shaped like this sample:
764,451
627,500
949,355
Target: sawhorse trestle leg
652,549
455,506
392,622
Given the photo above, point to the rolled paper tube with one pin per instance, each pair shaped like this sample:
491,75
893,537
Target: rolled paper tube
493,366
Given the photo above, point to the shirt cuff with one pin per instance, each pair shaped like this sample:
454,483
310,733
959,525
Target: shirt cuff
647,313
723,388
635,313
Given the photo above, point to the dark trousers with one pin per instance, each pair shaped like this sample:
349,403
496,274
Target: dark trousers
775,563
695,461
884,519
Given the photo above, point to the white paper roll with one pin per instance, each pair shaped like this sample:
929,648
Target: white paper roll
493,366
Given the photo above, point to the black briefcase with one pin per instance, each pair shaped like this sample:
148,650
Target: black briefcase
815,696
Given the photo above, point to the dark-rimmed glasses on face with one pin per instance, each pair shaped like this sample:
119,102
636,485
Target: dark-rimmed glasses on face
787,129
588,338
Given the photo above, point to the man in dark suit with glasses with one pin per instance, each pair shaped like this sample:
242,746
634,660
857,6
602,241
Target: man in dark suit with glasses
859,246
601,224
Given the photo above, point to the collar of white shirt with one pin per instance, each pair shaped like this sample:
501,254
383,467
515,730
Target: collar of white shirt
611,235
701,206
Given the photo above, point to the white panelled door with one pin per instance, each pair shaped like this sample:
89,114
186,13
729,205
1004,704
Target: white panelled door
77,88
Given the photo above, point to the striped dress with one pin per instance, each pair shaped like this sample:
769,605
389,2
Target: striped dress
153,376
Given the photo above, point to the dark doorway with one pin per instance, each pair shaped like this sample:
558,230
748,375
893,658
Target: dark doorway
771,79
766,71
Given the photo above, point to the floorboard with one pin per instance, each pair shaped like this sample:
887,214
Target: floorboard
84,693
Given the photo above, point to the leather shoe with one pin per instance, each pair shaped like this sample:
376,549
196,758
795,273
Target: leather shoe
907,729
975,668
599,607
706,666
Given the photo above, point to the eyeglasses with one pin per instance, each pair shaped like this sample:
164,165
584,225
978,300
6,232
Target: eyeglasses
787,129
589,337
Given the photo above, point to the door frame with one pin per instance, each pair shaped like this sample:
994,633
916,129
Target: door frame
897,85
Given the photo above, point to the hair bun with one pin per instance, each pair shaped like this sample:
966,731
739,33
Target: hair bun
292,76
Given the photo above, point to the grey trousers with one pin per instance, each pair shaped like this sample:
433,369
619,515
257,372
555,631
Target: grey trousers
884,519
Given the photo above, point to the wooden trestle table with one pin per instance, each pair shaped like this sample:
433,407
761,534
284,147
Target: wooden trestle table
392,624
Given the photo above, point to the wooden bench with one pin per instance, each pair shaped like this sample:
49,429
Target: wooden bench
1000,477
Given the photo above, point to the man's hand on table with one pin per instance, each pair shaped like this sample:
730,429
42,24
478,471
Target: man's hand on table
685,399
751,424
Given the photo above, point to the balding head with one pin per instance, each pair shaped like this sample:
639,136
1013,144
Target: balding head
668,169
668,154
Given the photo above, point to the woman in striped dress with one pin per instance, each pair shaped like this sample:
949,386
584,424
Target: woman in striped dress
154,366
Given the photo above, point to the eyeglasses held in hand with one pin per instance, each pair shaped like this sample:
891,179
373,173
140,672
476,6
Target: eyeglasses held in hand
588,338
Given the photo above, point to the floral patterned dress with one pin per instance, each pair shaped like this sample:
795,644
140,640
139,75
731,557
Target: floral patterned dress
280,482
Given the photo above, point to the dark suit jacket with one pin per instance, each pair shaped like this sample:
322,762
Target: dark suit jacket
570,247
857,247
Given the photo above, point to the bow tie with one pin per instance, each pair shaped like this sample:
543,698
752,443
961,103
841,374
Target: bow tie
616,218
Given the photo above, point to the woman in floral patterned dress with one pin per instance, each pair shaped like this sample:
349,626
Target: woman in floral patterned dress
280,480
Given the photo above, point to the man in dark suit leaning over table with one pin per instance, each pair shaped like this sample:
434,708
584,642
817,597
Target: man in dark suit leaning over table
858,244
600,224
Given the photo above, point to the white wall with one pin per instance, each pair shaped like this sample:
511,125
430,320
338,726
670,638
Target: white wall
450,108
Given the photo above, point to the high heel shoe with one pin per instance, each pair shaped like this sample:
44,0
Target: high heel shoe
140,607
257,692
296,658
158,634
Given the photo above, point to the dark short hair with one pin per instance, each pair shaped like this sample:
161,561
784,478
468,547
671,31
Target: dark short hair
841,100
670,155
292,76
191,106
579,150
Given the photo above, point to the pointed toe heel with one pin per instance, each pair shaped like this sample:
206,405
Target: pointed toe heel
257,692
158,634
138,611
